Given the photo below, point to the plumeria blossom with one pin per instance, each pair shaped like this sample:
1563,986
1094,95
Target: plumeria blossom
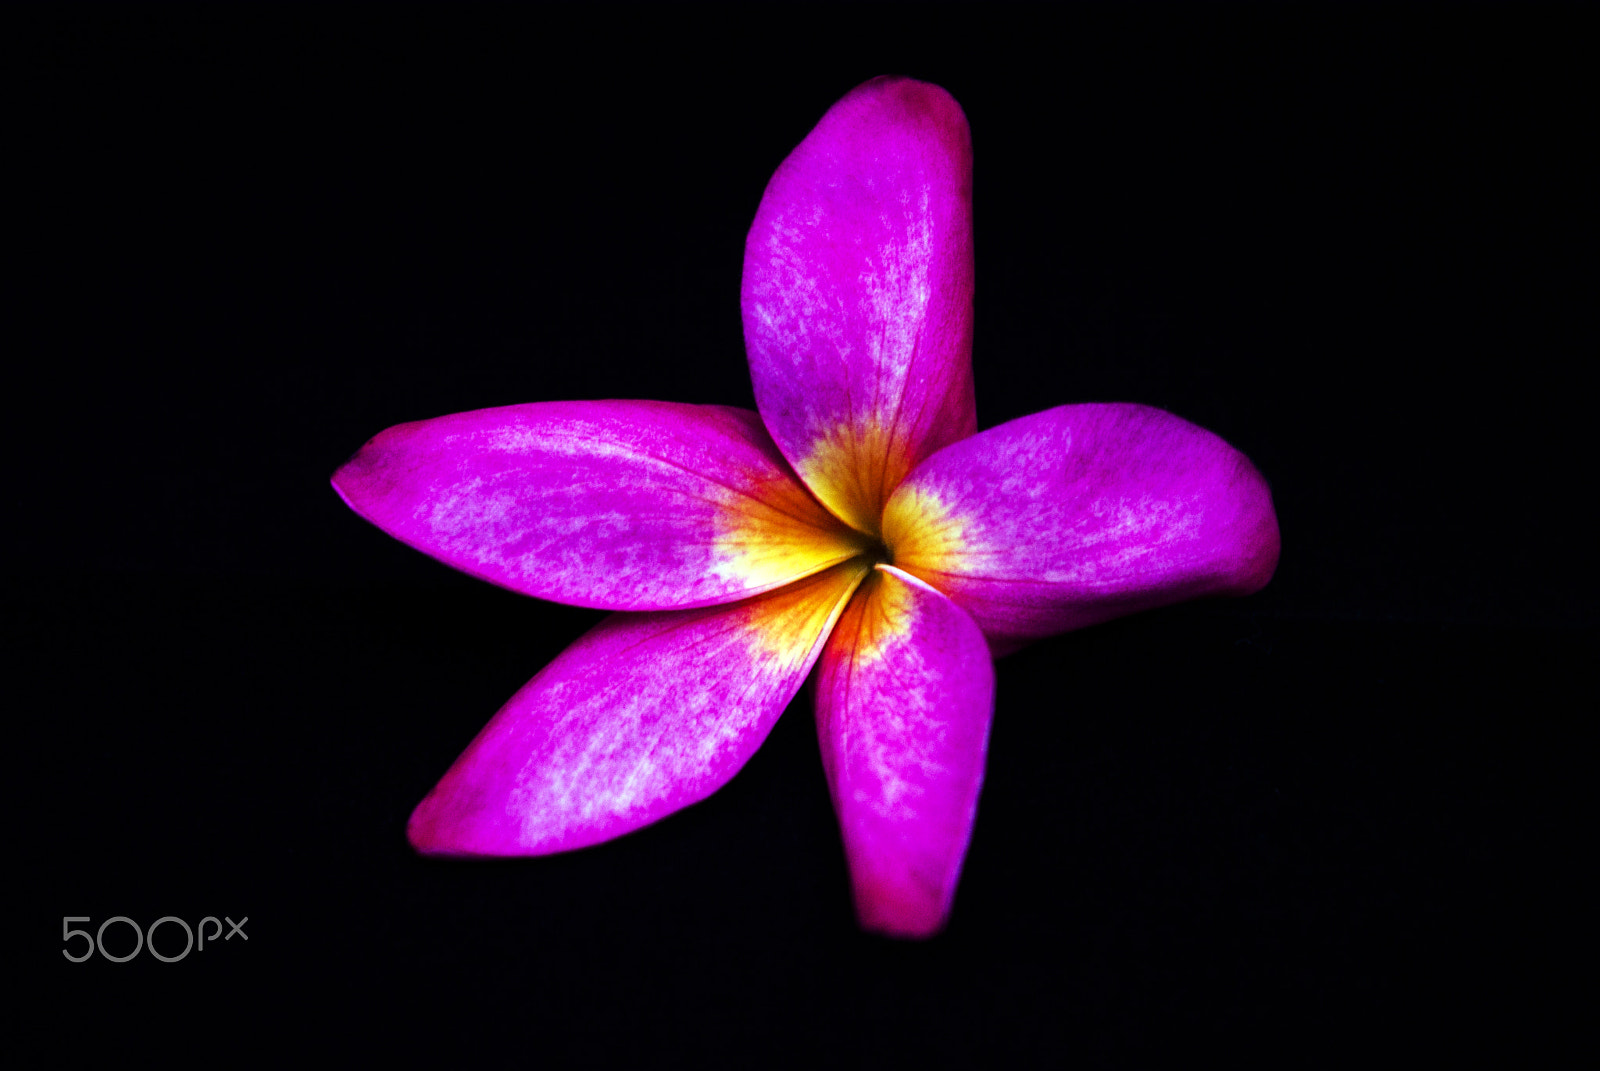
855,523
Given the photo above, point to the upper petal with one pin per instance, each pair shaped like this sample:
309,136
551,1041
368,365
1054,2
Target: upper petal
620,505
905,694
646,714
857,294
1083,513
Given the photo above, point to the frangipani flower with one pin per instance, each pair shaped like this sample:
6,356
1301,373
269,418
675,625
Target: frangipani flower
856,523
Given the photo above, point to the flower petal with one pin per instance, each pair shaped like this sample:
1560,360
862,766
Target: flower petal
1083,513
619,505
644,715
857,294
905,695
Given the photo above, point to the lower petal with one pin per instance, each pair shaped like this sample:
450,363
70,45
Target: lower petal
905,695
1083,513
646,714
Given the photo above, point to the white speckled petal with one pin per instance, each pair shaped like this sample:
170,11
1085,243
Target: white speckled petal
857,294
905,694
1083,513
618,505
646,714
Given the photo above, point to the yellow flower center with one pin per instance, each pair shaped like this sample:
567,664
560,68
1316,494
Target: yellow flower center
853,470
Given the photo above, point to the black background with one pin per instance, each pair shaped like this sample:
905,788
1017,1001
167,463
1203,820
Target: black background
1326,819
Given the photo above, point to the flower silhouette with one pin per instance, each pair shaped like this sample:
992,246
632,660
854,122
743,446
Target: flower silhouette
856,523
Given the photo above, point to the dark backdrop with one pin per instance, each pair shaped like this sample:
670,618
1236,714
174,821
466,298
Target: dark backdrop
1352,241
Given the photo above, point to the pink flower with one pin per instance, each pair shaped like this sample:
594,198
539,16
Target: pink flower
856,522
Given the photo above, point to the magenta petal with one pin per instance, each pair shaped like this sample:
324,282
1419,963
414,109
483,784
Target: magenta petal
619,505
857,294
646,714
905,695
1080,514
